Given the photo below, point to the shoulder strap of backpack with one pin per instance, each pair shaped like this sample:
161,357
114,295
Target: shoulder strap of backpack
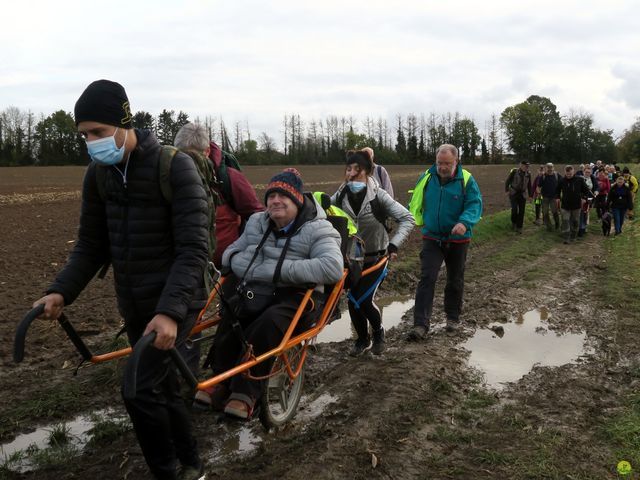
341,196
227,161
466,175
378,213
101,182
166,156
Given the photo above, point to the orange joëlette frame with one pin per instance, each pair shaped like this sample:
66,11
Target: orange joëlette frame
286,343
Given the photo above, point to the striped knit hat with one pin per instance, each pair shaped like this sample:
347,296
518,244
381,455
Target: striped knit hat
289,183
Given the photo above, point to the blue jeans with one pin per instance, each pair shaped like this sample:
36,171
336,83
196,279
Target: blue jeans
618,218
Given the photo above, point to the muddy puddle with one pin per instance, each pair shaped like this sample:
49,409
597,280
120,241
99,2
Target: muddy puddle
392,310
231,439
234,442
18,455
505,352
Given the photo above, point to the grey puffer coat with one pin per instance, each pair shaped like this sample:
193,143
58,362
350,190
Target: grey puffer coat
313,256
370,230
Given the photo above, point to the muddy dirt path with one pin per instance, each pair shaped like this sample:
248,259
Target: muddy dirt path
420,411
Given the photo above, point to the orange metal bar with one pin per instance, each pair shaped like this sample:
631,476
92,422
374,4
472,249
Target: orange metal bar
212,295
303,357
111,355
286,343
198,327
271,353
375,267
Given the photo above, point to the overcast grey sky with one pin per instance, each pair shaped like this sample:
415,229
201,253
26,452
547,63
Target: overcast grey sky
257,60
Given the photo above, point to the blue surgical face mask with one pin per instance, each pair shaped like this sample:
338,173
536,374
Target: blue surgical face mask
356,187
105,151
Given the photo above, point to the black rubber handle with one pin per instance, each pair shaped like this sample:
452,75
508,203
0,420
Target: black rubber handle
184,369
74,337
130,377
130,381
21,332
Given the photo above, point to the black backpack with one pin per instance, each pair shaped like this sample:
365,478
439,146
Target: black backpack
228,160
209,181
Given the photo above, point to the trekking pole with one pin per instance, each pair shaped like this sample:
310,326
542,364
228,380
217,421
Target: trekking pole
130,380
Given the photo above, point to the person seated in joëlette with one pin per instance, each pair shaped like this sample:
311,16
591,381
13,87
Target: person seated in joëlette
283,251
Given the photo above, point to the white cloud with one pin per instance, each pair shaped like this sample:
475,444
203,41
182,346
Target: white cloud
255,61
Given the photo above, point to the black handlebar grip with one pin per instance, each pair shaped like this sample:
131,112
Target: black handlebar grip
130,381
21,332
130,378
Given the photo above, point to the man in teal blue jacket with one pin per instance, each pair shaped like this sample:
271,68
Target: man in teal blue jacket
447,204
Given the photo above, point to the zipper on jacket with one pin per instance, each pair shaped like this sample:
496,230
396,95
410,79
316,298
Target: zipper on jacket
440,208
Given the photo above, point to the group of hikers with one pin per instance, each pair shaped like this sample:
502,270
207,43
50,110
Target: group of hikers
570,197
149,211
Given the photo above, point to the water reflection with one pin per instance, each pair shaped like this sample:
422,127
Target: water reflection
78,431
236,442
508,355
392,310
309,410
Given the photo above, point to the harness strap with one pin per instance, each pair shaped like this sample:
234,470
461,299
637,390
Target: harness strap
357,302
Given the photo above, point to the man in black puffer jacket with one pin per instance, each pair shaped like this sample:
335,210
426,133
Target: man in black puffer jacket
158,250
571,192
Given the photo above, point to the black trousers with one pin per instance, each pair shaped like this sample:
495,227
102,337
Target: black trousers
367,312
158,413
432,255
518,204
263,332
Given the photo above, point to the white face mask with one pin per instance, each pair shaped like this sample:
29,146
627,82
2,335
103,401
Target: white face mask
105,151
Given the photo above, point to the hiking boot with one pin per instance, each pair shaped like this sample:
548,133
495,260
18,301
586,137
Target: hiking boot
188,472
417,333
378,342
519,231
566,241
452,325
361,346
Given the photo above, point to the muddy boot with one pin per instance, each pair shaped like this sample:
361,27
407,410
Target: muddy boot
417,333
361,346
188,472
378,342
452,325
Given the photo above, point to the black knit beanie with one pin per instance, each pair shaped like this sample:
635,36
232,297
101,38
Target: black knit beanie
289,183
106,102
361,158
